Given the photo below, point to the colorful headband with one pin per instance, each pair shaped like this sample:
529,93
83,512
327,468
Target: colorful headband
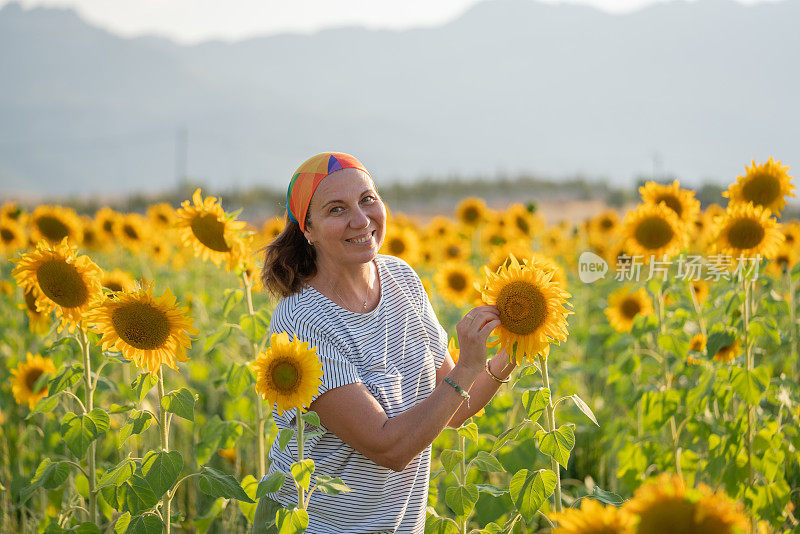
308,176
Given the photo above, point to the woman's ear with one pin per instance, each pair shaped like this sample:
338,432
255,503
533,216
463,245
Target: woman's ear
310,240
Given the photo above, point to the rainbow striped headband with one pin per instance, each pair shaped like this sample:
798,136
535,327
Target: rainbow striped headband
308,176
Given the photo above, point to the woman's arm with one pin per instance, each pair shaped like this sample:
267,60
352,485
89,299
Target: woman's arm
357,418
484,387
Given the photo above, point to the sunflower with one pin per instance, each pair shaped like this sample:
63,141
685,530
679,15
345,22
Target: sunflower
653,230
766,185
25,378
559,241
471,212
205,227
698,343
159,249
592,518
521,222
727,353
440,228
618,254
532,308
92,236
624,306
402,242
546,263
288,373
783,261
60,280
493,235
11,210
791,233
718,514
272,228
107,219
150,331
12,237
38,321
452,248
605,224
162,216
133,231
747,231
54,223
118,281
665,505
501,255
699,288
681,201
455,281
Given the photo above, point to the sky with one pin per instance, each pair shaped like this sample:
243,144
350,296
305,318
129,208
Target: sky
192,21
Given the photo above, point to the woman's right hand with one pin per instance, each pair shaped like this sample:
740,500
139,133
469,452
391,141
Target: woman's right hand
473,331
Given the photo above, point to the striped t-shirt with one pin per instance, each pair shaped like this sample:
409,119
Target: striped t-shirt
395,351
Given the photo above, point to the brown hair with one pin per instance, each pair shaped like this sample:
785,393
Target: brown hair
289,261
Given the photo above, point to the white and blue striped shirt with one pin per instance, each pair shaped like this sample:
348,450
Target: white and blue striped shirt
395,351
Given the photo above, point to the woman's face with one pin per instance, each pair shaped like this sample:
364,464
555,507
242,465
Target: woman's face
347,218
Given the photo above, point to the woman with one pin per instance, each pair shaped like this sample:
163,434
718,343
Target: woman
389,386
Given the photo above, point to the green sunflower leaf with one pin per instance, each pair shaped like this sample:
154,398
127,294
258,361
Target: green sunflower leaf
558,443
461,499
529,490
217,484
79,431
142,384
137,422
180,402
291,521
302,471
331,485
161,470
535,402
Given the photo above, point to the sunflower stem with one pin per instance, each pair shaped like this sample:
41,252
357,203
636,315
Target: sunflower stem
792,323
300,448
261,417
697,310
751,410
462,475
83,340
550,426
164,427
676,451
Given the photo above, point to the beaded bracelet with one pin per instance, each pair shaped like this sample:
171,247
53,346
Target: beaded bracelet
492,374
460,390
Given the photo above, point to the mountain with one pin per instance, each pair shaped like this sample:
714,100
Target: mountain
510,86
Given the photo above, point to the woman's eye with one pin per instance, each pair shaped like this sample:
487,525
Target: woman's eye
336,209
368,199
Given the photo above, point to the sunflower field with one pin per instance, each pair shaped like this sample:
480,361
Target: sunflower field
656,392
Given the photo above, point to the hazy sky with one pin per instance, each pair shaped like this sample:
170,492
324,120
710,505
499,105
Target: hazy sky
191,21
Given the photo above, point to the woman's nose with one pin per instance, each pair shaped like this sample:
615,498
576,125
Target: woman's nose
360,219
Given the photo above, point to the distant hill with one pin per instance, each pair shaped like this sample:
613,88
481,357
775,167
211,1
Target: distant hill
511,86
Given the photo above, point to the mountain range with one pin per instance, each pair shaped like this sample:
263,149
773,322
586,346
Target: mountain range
691,89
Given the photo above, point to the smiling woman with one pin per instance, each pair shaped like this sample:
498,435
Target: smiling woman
388,386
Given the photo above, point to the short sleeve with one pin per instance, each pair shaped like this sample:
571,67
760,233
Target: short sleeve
337,369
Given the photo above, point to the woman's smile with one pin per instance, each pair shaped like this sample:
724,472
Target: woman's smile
363,239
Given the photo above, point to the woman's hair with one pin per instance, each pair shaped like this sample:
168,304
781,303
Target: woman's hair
289,261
